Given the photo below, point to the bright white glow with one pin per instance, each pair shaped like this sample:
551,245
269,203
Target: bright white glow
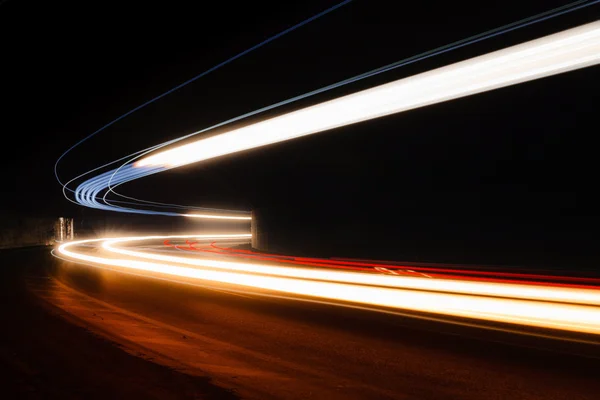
557,294
582,318
565,51
540,306
210,216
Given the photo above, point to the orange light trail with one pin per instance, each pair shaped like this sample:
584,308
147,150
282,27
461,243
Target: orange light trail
548,307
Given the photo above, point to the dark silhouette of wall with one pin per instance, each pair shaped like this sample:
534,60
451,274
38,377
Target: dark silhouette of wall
19,231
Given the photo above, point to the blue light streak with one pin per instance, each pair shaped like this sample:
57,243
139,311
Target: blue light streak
93,192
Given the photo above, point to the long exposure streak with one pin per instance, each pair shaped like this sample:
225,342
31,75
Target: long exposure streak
540,305
550,307
565,51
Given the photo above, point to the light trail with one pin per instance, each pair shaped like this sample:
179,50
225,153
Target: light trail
561,294
444,273
563,308
447,270
567,8
515,304
109,186
88,193
214,216
558,53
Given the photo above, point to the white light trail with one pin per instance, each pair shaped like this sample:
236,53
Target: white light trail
540,306
561,52
556,294
215,216
474,301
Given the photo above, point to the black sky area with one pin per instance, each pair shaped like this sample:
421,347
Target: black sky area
510,173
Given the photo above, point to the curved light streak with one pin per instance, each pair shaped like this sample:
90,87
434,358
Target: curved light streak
563,308
486,35
558,53
195,78
519,304
561,52
91,192
555,294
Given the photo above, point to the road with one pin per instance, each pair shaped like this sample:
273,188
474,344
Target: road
265,347
45,353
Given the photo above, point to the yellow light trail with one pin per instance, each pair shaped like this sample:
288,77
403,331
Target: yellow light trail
478,300
215,216
561,52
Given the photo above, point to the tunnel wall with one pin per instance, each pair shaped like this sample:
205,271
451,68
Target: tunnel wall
25,231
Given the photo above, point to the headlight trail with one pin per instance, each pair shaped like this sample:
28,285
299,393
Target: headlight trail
447,270
540,305
558,53
208,216
565,51
568,295
95,199
555,308
567,8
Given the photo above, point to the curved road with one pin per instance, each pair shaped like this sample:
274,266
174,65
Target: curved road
264,345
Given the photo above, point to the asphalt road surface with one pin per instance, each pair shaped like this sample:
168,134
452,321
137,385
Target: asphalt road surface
74,331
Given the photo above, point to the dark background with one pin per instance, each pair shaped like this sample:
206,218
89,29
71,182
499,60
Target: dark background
503,177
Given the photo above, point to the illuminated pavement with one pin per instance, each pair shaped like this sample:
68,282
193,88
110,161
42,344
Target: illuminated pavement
269,344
